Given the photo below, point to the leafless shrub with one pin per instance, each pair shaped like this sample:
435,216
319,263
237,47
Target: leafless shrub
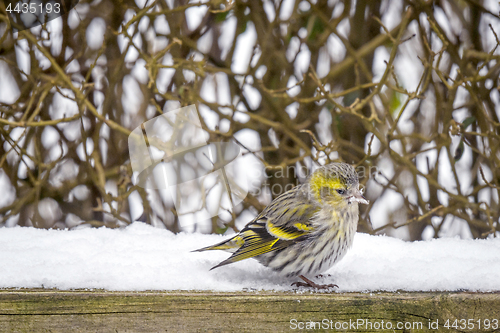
409,89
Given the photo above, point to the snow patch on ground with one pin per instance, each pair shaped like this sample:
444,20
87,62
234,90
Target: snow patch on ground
140,257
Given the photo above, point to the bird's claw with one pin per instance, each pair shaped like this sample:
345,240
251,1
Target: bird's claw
300,284
310,284
314,285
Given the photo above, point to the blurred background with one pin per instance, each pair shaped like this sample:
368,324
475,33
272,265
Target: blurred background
407,91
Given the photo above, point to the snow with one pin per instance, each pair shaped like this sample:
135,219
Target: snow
141,257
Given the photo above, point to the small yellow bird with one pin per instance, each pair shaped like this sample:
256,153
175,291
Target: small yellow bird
304,231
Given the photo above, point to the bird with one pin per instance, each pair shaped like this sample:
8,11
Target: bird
304,231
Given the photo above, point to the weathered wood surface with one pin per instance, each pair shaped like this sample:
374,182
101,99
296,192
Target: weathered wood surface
101,311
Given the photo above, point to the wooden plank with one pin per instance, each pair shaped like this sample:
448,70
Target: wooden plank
78,311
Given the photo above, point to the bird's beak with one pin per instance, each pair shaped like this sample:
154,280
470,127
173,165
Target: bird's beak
358,197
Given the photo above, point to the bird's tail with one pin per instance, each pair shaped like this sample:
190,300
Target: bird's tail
229,245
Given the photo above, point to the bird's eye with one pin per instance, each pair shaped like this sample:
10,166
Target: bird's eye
340,191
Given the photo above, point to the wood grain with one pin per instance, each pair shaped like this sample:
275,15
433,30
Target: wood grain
101,311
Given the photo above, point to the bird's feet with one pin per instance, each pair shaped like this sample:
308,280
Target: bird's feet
310,284
314,285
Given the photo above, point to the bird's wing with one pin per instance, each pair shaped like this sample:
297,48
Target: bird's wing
281,224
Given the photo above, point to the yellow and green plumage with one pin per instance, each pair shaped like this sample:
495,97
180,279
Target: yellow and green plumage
304,231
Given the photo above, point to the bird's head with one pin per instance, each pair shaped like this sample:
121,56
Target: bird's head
336,184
